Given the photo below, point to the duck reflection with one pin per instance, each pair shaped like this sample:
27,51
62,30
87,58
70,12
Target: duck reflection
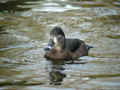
56,74
56,70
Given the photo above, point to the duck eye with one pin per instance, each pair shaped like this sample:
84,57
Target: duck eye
59,37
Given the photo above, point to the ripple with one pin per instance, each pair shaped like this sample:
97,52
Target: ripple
50,4
55,8
48,88
114,36
26,45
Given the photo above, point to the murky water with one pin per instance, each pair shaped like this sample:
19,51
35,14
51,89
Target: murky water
24,31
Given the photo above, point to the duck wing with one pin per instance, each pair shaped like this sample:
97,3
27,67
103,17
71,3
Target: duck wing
72,44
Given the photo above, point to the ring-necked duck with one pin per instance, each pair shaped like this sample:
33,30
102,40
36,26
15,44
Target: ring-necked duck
60,47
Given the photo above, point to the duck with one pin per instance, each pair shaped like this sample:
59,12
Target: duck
61,48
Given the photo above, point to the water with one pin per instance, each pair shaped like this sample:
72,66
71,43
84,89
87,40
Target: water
24,31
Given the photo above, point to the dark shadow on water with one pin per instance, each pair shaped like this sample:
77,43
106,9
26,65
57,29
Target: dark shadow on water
12,6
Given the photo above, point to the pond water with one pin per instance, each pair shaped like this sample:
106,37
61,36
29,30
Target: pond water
24,31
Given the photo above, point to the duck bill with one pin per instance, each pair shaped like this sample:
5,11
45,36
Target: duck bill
49,46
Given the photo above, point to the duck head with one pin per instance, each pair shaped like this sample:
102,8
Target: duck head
57,39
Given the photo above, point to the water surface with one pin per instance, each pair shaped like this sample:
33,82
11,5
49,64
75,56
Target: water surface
24,31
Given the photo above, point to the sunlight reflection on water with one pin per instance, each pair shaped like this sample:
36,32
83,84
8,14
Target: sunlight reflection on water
56,9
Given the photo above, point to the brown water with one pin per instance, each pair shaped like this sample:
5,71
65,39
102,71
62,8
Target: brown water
24,31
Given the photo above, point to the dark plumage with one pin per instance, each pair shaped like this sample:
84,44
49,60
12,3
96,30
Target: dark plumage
64,48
